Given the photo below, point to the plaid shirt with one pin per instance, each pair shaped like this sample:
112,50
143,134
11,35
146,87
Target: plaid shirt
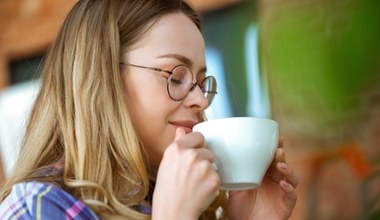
35,200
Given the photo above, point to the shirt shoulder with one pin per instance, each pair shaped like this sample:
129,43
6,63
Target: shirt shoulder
36,200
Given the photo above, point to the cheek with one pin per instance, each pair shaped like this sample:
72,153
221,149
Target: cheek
139,99
139,91
145,100
150,108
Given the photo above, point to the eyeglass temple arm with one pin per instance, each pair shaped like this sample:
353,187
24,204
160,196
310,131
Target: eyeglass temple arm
146,67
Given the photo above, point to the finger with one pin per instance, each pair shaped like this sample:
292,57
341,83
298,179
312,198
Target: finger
179,132
204,154
291,194
273,172
191,140
279,156
288,173
281,142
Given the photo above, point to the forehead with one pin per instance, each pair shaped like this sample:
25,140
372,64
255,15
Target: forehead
173,33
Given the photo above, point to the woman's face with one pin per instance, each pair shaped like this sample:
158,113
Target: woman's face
172,40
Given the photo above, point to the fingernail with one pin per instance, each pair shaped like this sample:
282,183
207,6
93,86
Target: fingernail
286,185
284,166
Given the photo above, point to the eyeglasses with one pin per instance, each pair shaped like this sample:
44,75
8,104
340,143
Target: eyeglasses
180,82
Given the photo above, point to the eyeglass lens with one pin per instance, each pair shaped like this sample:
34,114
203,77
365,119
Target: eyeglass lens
181,81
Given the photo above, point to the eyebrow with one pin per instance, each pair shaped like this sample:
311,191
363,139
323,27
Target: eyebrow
183,59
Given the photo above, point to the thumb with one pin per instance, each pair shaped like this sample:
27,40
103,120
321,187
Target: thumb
179,132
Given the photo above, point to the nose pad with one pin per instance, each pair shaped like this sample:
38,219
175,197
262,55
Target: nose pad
193,86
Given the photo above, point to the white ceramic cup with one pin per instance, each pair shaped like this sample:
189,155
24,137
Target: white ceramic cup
244,148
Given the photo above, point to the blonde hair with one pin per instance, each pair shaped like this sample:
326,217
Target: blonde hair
80,117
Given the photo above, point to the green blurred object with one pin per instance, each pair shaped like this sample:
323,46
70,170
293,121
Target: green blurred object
322,59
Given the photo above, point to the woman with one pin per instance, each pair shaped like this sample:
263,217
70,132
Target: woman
110,133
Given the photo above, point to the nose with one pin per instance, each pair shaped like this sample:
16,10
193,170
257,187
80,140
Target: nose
196,98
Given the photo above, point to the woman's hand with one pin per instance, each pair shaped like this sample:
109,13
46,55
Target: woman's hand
274,199
186,182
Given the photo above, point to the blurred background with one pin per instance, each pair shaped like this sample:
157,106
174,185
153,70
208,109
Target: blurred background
312,65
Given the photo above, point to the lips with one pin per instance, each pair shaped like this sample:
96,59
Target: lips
187,125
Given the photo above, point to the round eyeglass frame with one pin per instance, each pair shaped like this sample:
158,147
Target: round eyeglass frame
209,95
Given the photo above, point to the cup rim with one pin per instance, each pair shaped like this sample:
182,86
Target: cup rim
238,118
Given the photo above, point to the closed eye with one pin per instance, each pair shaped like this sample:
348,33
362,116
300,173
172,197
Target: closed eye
176,81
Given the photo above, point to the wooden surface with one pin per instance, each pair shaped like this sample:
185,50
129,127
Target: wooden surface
28,27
